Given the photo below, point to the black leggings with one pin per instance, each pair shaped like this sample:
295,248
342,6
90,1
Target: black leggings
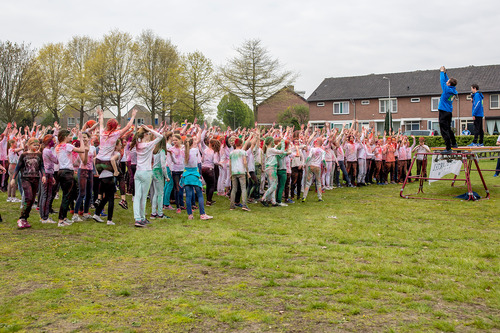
209,176
67,181
178,192
108,188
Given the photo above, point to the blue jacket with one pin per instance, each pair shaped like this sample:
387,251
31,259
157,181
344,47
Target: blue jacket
477,105
448,95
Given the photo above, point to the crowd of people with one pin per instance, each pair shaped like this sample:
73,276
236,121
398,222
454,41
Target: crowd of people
185,166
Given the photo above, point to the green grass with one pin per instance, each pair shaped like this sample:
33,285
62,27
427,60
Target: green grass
384,264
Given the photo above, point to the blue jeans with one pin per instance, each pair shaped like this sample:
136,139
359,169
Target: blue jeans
190,189
86,184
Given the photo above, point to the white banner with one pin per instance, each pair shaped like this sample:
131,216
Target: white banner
444,166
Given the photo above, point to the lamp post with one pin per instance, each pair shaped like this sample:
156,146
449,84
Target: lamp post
234,118
390,103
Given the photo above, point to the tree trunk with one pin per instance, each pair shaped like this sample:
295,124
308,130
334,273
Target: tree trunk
81,116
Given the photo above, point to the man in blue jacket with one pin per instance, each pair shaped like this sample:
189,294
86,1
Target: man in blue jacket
445,110
477,115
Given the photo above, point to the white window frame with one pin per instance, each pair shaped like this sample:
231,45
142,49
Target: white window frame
139,121
344,103
412,122
468,97
74,122
320,104
497,101
415,100
383,101
432,103
365,102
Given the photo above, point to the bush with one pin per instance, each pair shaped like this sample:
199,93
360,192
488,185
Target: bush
462,140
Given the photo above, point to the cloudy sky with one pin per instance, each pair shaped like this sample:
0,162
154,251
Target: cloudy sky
316,39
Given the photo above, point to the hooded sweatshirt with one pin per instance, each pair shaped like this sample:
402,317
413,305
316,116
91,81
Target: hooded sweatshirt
448,95
477,105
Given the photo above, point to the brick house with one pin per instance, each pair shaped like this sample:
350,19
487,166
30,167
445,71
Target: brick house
414,97
143,116
269,109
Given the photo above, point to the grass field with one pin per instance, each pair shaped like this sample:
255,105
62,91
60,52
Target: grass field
363,260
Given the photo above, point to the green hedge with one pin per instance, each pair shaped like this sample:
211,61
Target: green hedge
462,140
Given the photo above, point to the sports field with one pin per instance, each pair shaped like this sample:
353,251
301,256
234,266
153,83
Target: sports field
364,260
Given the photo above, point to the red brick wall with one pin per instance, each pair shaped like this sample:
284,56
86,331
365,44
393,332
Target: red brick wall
268,110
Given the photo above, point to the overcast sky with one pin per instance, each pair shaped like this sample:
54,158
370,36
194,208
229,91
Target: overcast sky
316,39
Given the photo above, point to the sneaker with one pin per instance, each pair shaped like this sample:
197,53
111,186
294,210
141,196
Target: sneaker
86,216
43,221
208,204
20,224
97,218
18,200
92,206
239,205
194,207
178,211
123,204
290,201
454,146
320,200
264,203
206,217
97,202
146,221
282,204
169,207
232,207
480,144
63,223
9,199
139,224
104,214
446,152
164,217
495,175
303,199
26,224
49,220
190,217
472,145
245,208
77,218
153,216
110,223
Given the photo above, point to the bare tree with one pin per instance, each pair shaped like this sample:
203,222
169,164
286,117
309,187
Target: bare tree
253,74
53,64
80,51
156,59
198,83
120,58
16,79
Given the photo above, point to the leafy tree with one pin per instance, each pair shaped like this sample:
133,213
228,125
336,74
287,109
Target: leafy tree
120,59
239,113
80,51
54,68
302,113
155,60
253,74
98,70
288,118
197,82
17,79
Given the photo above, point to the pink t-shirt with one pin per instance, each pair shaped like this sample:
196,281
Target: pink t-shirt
107,145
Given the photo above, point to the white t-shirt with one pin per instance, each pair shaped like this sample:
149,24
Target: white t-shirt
64,157
107,145
237,165
145,154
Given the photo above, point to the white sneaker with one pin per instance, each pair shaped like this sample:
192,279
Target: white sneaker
97,218
19,200
64,223
86,216
77,218
110,223
9,199
282,204
49,220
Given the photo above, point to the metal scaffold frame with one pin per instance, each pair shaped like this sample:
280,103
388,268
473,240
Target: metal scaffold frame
467,156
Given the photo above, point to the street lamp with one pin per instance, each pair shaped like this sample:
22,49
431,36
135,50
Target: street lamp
234,118
390,103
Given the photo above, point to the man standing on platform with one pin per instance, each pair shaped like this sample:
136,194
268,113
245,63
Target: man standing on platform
477,115
445,110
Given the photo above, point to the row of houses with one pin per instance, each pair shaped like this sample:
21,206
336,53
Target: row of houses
414,97
338,101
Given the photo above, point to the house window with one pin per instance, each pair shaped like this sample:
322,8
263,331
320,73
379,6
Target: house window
466,125
384,105
139,121
434,103
415,100
71,122
412,125
365,102
341,108
494,103
320,104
